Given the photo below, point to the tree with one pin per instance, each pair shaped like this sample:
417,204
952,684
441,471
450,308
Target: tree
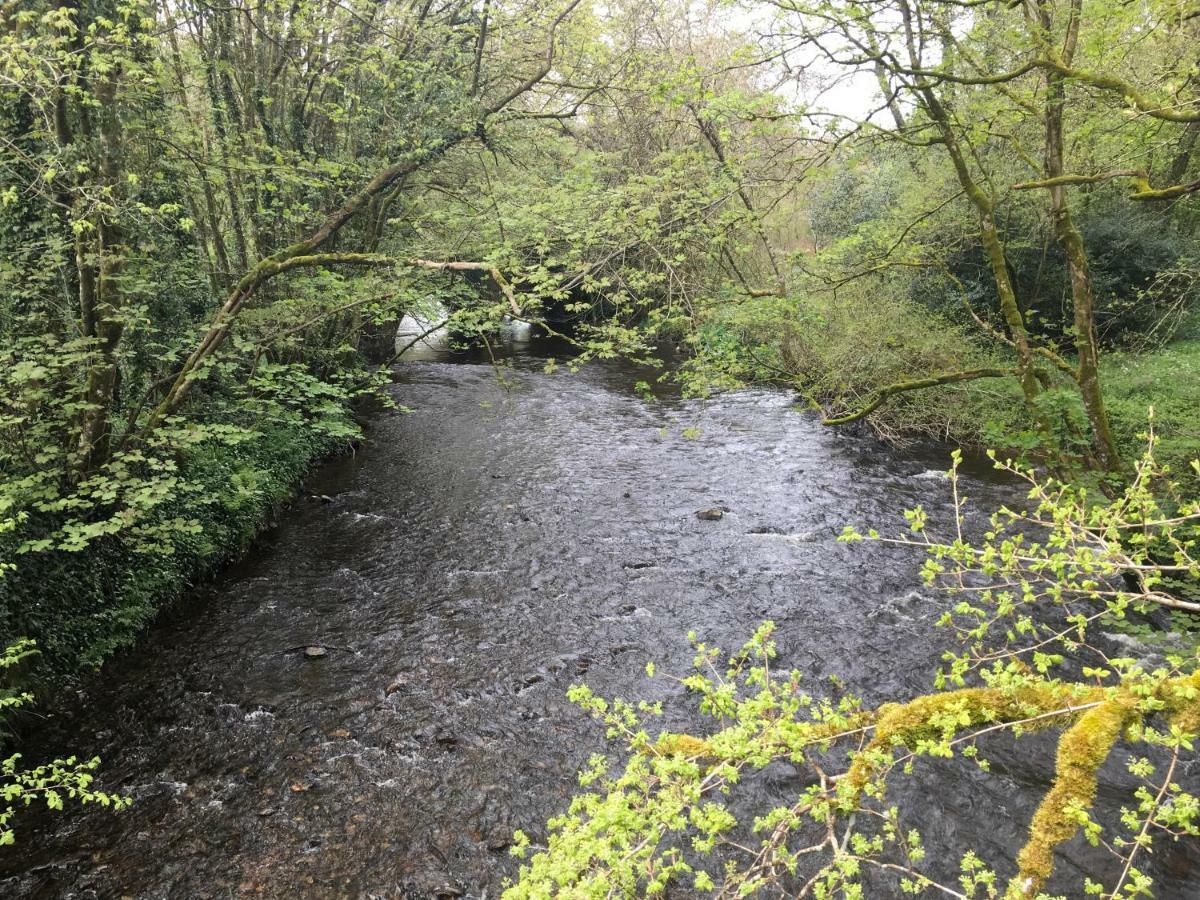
962,83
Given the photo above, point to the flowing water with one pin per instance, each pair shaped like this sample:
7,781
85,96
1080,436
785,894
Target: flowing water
505,538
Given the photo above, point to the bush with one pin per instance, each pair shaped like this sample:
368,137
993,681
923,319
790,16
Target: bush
838,348
51,783
82,606
93,559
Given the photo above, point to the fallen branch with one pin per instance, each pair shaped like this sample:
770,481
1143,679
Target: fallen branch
919,384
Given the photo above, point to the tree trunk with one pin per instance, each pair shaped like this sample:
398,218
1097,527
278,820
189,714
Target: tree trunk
1083,297
101,302
993,246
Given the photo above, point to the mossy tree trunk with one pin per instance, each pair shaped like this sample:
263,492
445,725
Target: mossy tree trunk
99,255
1083,295
993,245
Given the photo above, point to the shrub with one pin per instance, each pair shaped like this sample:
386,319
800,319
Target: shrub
52,783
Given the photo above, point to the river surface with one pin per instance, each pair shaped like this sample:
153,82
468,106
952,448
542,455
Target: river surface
504,539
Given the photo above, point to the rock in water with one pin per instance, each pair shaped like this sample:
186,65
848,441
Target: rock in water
499,838
766,529
315,652
710,515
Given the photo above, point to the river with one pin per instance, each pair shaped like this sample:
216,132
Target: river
503,539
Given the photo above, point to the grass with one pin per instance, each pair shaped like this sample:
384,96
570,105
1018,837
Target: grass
1167,380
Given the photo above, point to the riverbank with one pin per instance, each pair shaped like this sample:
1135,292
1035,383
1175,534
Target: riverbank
80,608
821,345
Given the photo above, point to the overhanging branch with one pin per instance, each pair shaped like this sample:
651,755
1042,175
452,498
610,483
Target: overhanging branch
1169,112
918,384
1141,179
